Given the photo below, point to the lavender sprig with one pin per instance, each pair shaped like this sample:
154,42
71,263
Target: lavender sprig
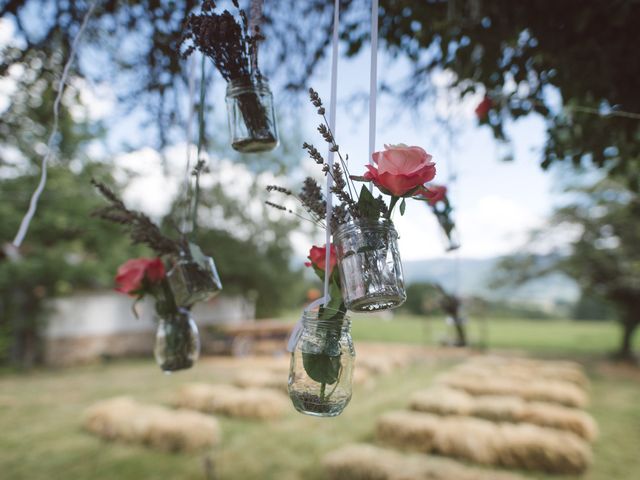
234,52
141,229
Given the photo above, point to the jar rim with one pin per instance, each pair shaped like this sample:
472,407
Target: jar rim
311,318
248,81
380,222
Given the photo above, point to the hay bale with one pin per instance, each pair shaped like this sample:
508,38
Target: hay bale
551,391
441,400
259,403
525,368
261,379
368,462
563,418
446,401
376,365
123,419
522,446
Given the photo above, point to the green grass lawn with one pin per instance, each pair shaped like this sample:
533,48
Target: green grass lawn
537,337
40,413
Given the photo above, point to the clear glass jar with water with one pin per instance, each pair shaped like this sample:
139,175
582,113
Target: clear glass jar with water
252,119
370,265
192,281
322,362
177,344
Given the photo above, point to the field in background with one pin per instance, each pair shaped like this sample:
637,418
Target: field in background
536,337
40,413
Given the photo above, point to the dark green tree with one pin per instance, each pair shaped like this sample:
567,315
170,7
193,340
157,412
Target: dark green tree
250,244
422,299
571,62
66,250
603,256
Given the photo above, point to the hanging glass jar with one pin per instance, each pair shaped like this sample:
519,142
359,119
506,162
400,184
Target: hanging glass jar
449,233
443,213
322,364
370,265
452,239
177,341
192,280
252,120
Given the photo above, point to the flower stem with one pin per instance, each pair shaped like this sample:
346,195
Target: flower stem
392,204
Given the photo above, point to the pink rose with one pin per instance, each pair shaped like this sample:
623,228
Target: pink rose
317,256
434,193
483,108
400,169
132,273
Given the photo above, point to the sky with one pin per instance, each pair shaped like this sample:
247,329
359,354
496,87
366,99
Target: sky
496,202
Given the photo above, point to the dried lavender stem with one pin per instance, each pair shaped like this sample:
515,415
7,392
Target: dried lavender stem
344,164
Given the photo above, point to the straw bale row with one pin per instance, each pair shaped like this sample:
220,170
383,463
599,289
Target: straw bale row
123,419
447,401
258,403
368,462
524,368
532,389
524,445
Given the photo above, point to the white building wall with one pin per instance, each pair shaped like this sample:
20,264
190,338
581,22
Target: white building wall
87,326
109,313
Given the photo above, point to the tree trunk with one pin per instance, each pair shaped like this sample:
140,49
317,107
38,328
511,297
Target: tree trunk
460,331
629,325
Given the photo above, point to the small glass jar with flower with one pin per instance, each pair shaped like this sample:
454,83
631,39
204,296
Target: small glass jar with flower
364,234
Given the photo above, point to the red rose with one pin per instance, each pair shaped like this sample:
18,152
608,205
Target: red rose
132,274
434,193
483,108
400,169
317,256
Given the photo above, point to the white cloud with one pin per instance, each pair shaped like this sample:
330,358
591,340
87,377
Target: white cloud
8,85
98,101
153,186
7,32
419,233
149,190
495,225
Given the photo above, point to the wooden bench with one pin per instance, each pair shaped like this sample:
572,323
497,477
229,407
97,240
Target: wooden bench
251,337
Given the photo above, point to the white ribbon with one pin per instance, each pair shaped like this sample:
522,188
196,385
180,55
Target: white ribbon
330,155
33,204
297,329
373,80
190,117
255,15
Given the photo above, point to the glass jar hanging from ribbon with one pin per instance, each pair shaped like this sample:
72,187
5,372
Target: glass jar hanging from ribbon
370,265
448,229
251,116
322,362
192,277
177,344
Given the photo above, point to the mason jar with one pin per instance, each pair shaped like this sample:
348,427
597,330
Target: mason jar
322,363
370,265
177,344
451,238
449,231
448,228
192,281
251,116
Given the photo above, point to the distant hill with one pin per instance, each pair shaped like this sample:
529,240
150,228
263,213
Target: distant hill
473,276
